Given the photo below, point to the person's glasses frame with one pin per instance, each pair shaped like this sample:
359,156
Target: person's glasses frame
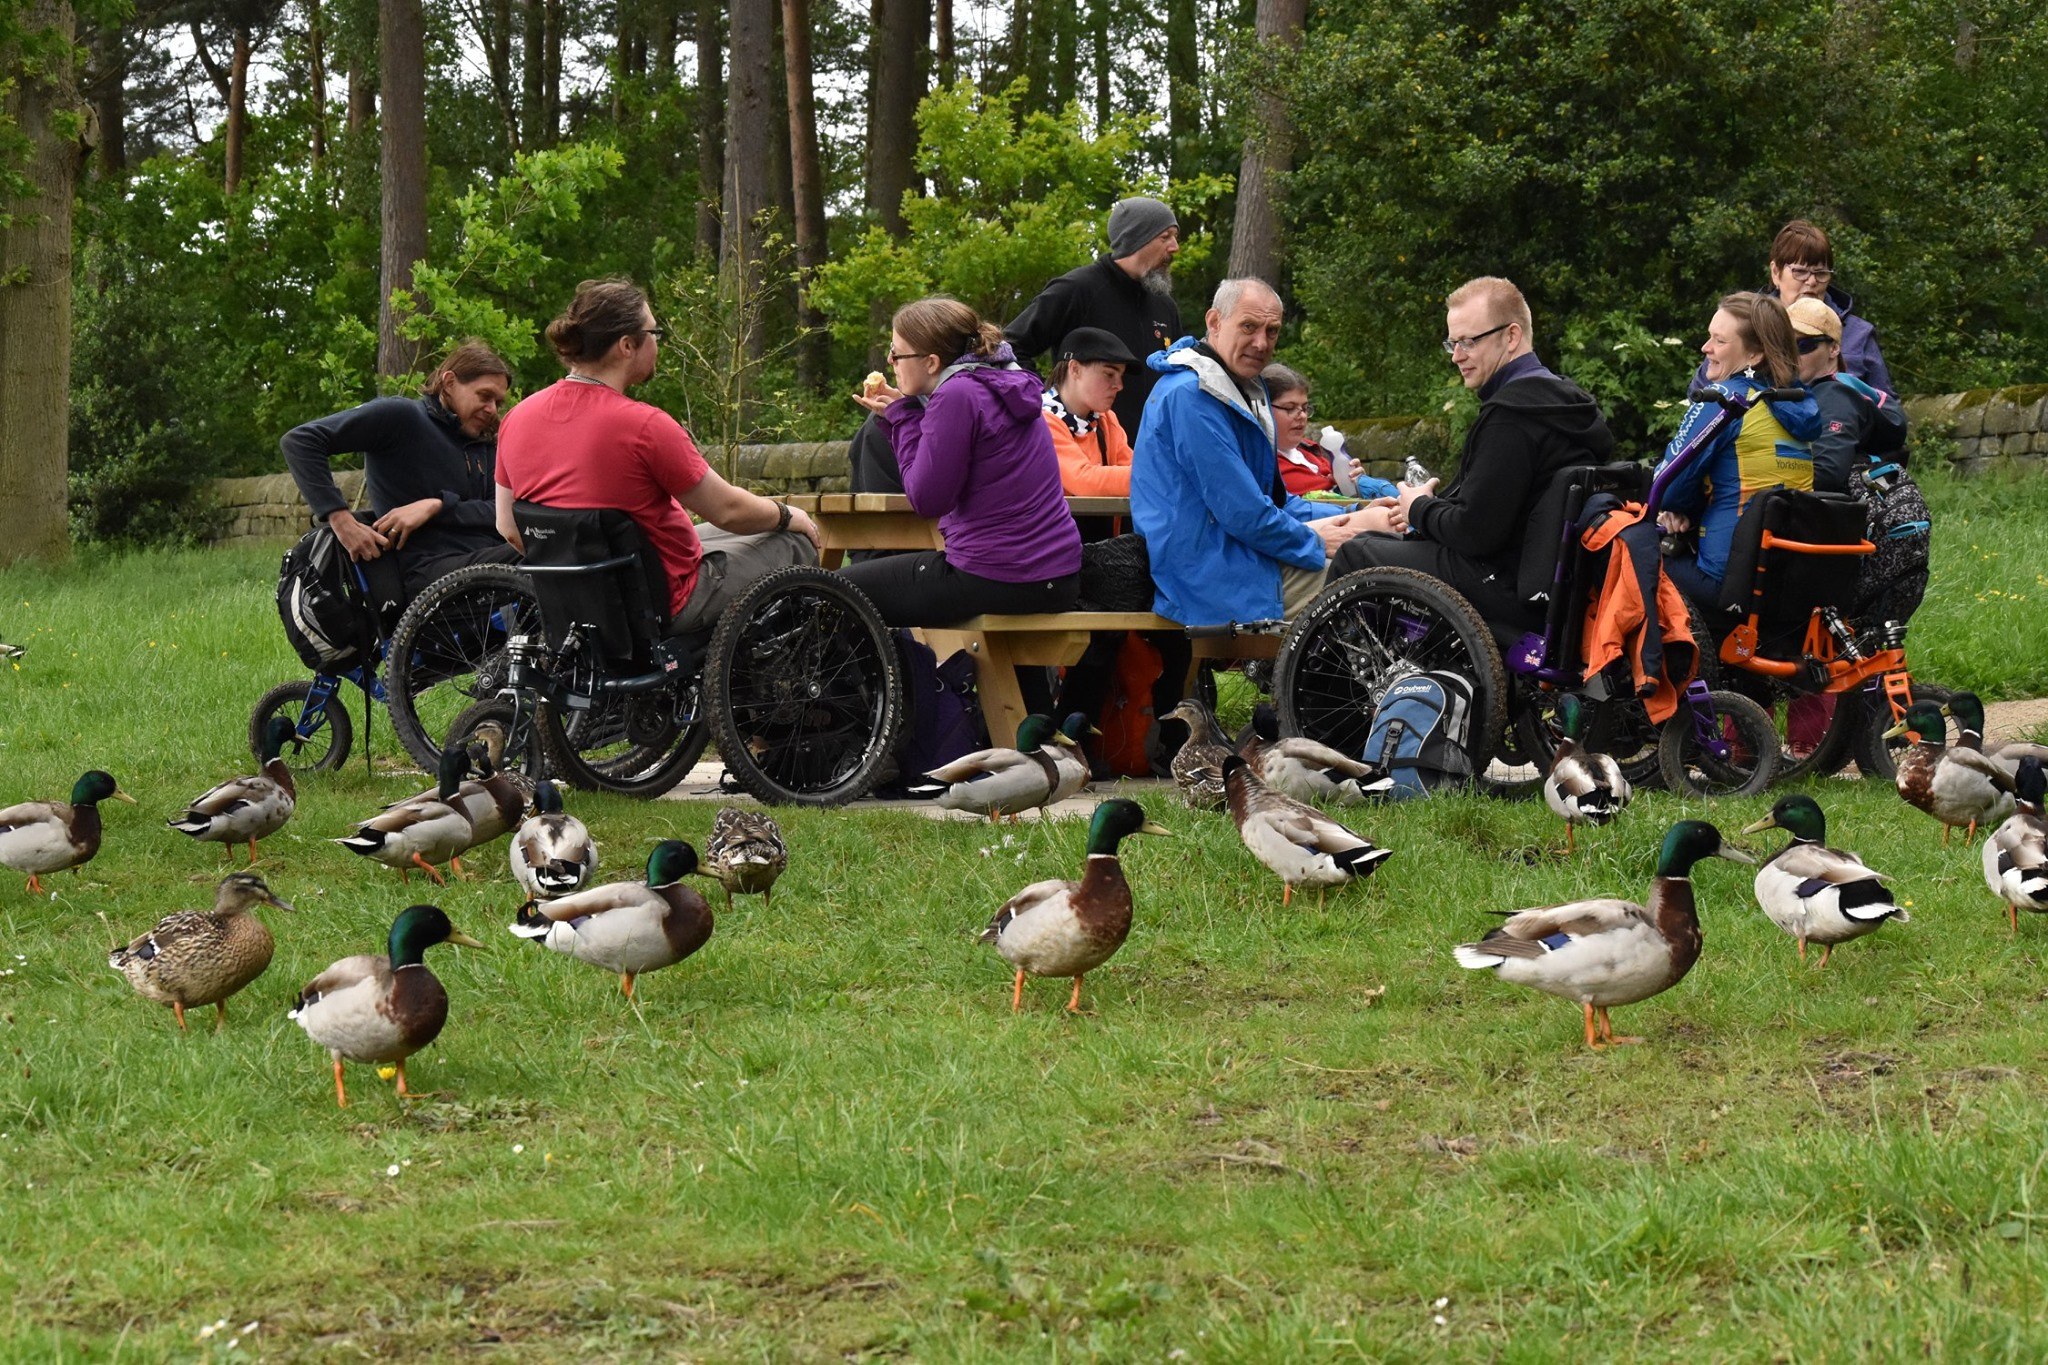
1296,409
898,357
1452,345
1807,274
1808,345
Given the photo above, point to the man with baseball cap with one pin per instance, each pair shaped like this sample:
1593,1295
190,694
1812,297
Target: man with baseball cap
1128,294
1857,421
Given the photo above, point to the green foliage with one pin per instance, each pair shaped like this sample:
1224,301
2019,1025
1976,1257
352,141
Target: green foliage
1627,157
1018,199
1639,377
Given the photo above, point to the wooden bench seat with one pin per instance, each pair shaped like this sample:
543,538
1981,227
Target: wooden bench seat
1001,644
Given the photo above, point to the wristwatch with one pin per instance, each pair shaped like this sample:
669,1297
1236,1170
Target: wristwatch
782,516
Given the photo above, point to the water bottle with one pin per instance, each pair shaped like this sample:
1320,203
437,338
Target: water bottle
1412,472
1343,469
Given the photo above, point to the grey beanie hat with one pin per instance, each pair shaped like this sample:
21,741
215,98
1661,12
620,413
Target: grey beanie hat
1136,221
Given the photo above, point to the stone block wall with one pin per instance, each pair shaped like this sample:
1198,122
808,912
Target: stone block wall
1997,428
268,507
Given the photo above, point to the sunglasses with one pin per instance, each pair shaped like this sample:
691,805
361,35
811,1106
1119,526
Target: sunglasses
1808,345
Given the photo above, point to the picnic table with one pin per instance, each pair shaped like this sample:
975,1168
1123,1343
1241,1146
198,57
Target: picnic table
999,645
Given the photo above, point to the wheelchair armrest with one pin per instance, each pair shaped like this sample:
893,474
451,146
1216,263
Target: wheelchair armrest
600,566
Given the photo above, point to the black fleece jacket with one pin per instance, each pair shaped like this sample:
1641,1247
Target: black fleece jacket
1529,428
412,448
1102,295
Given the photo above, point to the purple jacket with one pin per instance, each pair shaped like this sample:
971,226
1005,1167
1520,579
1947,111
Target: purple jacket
977,455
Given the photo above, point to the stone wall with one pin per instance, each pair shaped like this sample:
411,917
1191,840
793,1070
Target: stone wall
1992,428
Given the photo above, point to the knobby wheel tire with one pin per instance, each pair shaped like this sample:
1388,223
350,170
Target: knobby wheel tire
325,750
448,652
1690,769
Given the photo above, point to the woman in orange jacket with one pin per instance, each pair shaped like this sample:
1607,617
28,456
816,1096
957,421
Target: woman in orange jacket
1095,455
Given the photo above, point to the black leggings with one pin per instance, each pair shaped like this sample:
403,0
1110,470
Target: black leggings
922,589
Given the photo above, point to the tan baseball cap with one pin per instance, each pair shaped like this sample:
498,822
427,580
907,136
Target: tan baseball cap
1813,318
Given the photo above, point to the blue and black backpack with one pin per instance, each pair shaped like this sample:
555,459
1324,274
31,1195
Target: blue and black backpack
1421,734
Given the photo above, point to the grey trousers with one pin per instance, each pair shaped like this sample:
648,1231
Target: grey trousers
729,565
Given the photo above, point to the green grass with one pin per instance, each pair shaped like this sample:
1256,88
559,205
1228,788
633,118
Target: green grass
1277,1134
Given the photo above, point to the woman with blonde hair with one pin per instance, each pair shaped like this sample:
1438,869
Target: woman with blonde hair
1749,347
970,438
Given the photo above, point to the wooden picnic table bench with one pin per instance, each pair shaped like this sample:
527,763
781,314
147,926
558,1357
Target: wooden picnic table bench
999,644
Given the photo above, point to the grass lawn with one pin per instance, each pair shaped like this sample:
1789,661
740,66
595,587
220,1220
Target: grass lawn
1275,1134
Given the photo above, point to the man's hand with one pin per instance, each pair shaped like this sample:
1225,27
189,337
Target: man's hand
361,542
1674,523
800,522
1334,531
400,522
1381,514
1409,492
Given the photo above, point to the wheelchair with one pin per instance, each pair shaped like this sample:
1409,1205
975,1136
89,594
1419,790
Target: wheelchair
799,681
1370,629
323,728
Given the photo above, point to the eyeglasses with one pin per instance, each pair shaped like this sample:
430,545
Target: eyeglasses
1296,409
898,357
1806,274
656,332
1452,345
1808,345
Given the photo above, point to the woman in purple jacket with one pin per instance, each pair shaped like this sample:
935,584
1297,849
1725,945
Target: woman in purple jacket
971,440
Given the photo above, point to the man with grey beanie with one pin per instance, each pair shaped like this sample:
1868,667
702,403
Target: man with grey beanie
1128,293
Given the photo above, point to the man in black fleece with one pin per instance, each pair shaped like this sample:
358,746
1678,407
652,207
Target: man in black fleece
1531,423
428,470
1128,293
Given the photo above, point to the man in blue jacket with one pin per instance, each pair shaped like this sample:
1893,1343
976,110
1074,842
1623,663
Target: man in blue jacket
1226,540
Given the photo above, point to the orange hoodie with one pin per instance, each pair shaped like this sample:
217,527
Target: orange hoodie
1097,465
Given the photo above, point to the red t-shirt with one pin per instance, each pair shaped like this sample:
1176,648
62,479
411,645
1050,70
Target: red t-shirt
588,445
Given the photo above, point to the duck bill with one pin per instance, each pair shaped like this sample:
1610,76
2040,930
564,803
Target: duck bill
120,795
281,905
1768,822
1151,827
464,939
1896,731
1734,855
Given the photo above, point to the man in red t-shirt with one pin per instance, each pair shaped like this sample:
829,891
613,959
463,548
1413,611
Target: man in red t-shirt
581,442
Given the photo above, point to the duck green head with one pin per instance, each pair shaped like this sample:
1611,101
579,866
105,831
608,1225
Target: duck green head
418,928
1923,718
1115,818
1266,721
1035,733
547,798
1689,841
2031,782
94,787
1072,728
278,733
1571,715
671,861
1968,711
454,766
1799,816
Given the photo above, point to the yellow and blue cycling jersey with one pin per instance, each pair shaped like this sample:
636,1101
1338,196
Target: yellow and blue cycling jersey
1763,448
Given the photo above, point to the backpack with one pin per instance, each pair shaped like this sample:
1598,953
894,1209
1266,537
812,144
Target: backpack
1127,714
944,720
1421,732
1893,579
325,605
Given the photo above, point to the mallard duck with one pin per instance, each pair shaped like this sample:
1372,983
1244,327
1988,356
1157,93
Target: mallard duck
627,927
2016,854
8,651
420,833
997,782
201,957
1583,787
381,1008
1815,892
552,853
245,809
1062,928
1603,953
494,800
1969,714
746,853
1956,786
1069,758
1298,842
1198,765
1305,769
49,836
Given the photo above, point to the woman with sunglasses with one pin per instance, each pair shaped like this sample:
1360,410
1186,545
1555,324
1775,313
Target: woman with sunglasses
1749,347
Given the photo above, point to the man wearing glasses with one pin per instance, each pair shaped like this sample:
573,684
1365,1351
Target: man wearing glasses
582,443
1531,424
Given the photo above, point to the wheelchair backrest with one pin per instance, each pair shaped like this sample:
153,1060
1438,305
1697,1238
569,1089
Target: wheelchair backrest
1557,506
1785,586
593,568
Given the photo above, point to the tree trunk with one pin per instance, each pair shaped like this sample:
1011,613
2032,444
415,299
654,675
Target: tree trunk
362,100
497,42
710,126
896,85
813,357
551,97
1268,148
942,26
403,166
1098,24
238,109
35,296
1183,91
1065,56
316,61
533,69
749,128
109,90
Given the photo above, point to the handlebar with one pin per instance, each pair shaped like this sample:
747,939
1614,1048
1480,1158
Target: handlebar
1732,406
